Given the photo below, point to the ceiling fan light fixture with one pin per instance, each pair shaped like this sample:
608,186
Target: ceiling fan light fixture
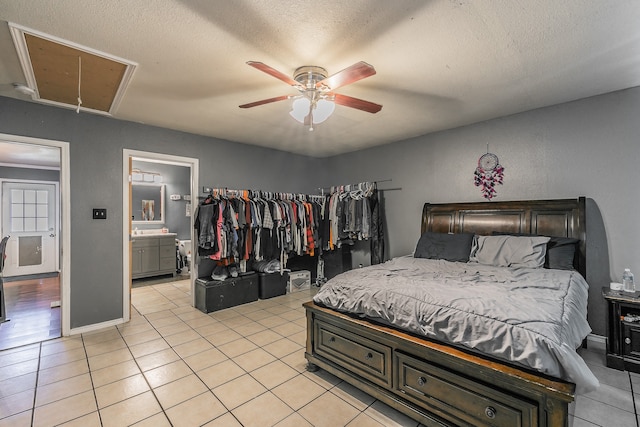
300,108
324,109
320,111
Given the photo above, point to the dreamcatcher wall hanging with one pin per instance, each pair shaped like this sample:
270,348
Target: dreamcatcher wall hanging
488,174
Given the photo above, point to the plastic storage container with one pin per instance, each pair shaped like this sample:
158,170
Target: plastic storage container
214,295
628,284
272,284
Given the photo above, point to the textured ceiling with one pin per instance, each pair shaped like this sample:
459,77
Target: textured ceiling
440,64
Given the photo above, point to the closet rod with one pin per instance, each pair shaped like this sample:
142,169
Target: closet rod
375,182
209,191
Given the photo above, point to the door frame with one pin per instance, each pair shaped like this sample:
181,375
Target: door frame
65,220
127,156
56,213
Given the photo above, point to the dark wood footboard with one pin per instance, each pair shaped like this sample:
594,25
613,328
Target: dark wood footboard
433,383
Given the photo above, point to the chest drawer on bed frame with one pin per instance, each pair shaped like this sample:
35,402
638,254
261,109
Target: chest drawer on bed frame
369,358
469,401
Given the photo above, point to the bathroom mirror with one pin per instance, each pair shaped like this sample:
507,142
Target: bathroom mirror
147,203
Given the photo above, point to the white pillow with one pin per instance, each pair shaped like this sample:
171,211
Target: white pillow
509,251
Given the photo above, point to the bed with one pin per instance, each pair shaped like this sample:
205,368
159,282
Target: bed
482,371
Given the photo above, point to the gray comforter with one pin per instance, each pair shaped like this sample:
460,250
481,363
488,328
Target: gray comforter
535,318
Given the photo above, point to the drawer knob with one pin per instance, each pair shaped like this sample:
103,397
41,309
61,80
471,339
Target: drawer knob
490,412
368,356
422,381
627,340
332,339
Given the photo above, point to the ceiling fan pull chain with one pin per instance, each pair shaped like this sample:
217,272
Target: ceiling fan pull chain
311,105
79,80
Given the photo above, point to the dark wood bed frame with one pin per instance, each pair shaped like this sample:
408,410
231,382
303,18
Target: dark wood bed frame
435,383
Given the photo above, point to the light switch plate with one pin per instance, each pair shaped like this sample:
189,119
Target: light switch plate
99,213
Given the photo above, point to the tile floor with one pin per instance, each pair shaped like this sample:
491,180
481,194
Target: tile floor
173,365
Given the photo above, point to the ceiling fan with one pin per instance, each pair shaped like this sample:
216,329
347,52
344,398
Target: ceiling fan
317,98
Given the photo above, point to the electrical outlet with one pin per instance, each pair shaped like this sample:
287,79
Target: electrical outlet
100,213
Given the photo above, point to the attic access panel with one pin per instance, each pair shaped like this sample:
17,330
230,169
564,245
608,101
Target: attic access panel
52,67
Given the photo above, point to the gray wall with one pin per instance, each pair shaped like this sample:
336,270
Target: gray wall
588,147
585,148
96,145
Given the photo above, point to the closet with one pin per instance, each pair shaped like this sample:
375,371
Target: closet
239,232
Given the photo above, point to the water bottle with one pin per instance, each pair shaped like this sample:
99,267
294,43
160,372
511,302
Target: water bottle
627,281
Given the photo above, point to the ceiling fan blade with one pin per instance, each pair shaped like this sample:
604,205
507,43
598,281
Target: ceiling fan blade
265,101
273,72
357,71
360,104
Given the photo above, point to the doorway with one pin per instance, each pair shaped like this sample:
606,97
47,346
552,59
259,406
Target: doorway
30,219
175,199
34,177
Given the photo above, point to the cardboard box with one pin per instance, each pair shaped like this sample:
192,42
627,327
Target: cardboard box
299,281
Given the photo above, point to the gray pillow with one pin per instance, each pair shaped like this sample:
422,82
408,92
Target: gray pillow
450,247
510,251
561,251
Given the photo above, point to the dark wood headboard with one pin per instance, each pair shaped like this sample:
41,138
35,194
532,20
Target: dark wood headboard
561,218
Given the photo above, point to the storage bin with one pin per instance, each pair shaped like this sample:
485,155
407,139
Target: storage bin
272,284
214,295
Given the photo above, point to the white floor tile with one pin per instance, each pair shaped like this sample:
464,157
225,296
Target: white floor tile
240,366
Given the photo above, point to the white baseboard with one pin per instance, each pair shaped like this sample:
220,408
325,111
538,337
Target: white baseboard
96,326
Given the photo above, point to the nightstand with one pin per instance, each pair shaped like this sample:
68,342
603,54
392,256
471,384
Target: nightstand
623,330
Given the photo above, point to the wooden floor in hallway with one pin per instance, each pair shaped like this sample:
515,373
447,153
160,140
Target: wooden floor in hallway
29,310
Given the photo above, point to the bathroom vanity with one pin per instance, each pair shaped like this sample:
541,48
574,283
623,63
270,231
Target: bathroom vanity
153,255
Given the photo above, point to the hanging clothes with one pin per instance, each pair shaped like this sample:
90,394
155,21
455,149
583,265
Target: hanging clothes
351,213
206,227
234,226
348,211
377,229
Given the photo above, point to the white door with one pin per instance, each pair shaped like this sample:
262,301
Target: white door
29,216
